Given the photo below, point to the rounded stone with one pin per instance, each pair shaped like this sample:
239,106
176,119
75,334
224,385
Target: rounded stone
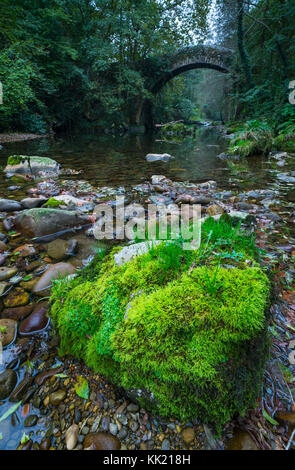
25,250
188,435
101,441
8,330
56,398
30,421
8,205
53,272
7,273
165,445
8,380
36,322
16,298
18,313
72,435
21,390
61,249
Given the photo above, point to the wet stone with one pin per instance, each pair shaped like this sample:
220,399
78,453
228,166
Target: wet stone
57,397
7,273
30,421
21,390
188,435
8,380
8,329
18,313
165,445
101,441
105,423
36,322
241,440
16,298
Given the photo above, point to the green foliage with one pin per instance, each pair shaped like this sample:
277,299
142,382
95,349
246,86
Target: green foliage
254,137
16,75
65,64
15,160
180,324
82,387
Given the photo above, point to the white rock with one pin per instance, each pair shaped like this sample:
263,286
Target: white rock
156,157
160,179
81,204
33,164
132,251
72,435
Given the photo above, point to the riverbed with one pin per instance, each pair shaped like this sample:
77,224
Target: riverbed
263,186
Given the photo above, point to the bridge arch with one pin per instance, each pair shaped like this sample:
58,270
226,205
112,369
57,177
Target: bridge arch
188,58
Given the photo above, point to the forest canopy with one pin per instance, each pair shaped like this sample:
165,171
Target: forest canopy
68,64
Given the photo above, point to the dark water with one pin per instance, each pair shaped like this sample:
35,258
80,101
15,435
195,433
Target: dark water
120,160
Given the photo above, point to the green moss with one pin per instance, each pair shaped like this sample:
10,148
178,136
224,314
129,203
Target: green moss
15,160
52,203
179,324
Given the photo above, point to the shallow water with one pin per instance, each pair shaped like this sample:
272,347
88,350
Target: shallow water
120,160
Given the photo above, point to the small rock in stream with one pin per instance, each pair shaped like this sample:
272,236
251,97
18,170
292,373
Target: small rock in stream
8,329
36,321
72,435
8,380
16,298
7,273
8,205
101,441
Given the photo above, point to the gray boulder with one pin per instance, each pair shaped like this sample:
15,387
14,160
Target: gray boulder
132,251
156,157
8,380
8,205
27,165
32,202
40,222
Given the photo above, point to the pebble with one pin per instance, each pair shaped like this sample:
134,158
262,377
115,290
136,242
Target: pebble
113,429
16,298
8,329
165,445
57,397
8,380
72,435
101,441
188,435
7,273
30,421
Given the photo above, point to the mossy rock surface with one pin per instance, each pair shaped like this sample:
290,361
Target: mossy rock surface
25,164
161,323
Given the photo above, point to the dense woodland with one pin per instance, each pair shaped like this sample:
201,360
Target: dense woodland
77,64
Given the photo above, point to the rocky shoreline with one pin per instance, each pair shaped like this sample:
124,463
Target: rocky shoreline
35,249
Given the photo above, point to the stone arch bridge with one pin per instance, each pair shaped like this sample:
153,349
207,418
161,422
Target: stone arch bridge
162,69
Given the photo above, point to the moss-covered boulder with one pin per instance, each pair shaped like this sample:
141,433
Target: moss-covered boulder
30,165
188,328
